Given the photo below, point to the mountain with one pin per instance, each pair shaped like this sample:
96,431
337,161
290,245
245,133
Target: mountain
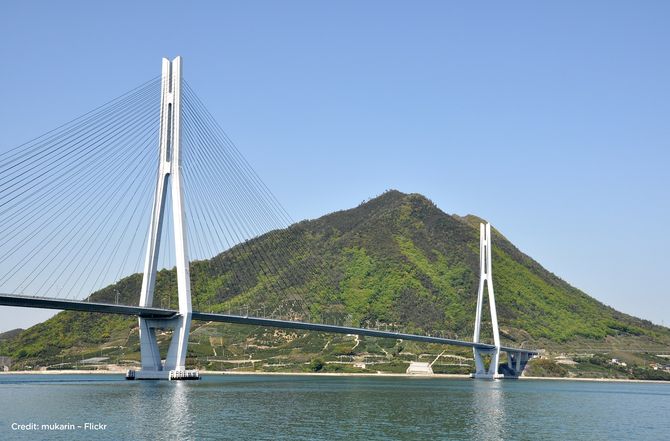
395,261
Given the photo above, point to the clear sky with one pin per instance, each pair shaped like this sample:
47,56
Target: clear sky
552,121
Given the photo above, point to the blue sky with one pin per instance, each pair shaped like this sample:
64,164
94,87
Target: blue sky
549,120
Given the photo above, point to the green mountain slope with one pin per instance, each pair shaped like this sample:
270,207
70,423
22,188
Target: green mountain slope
396,261
9,334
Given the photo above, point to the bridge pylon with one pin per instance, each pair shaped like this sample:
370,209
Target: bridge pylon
169,175
486,281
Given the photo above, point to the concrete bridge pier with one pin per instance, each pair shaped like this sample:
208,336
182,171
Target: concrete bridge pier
482,371
516,363
153,368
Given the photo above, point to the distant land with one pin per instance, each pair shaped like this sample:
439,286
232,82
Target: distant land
10,334
394,262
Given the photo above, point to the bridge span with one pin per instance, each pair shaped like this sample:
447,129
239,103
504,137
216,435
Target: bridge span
166,314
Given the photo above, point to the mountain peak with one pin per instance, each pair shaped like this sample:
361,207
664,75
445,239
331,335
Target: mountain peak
393,196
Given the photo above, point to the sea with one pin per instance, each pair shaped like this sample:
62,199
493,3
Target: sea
287,407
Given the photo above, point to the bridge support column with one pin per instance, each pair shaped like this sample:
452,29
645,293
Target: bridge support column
516,363
486,281
169,175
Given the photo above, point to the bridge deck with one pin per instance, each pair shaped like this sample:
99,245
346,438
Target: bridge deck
78,305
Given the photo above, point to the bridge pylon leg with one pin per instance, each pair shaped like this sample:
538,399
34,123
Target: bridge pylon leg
169,175
482,371
486,282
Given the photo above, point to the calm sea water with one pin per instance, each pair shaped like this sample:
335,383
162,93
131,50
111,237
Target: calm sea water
329,408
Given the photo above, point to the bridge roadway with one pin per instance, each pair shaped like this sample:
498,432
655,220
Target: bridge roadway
149,313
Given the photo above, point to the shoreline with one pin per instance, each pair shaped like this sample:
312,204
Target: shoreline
341,374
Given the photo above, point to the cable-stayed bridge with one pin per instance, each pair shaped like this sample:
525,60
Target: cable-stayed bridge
94,211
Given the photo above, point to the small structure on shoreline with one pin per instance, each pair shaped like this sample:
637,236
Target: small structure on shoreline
419,368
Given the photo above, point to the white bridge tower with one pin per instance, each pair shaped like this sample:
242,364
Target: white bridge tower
486,279
169,176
